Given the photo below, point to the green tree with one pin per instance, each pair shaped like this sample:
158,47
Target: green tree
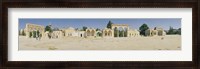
63,33
34,34
77,29
38,33
109,25
125,33
171,30
23,33
84,28
179,31
48,28
115,32
143,28
19,32
99,34
121,32
97,29
30,34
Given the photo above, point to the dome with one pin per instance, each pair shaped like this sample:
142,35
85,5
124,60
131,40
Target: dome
70,28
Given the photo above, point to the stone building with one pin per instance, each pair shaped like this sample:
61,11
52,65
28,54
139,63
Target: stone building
81,33
46,35
160,30
107,33
99,33
69,32
116,30
78,34
54,34
33,27
133,33
57,34
157,31
120,27
91,32
151,32
22,32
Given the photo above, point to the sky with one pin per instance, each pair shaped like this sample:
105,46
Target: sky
133,23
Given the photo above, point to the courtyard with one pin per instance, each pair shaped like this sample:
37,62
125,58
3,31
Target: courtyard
168,42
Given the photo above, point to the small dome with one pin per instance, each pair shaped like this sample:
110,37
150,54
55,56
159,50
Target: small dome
70,28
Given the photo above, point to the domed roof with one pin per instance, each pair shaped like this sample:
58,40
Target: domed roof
70,28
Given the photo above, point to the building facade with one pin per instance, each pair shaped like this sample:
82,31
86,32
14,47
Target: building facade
157,31
69,32
133,33
107,32
30,28
57,34
116,30
120,27
91,32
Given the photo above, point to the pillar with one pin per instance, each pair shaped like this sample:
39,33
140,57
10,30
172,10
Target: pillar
117,33
123,33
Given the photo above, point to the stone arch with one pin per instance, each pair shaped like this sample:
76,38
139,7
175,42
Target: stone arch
88,32
93,33
155,33
125,31
106,34
120,27
116,32
110,33
121,31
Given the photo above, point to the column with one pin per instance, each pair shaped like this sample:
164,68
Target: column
123,33
117,33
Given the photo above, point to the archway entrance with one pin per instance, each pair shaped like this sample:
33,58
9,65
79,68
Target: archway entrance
120,30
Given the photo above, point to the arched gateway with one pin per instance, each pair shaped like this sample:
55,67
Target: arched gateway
108,32
90,32
123,28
